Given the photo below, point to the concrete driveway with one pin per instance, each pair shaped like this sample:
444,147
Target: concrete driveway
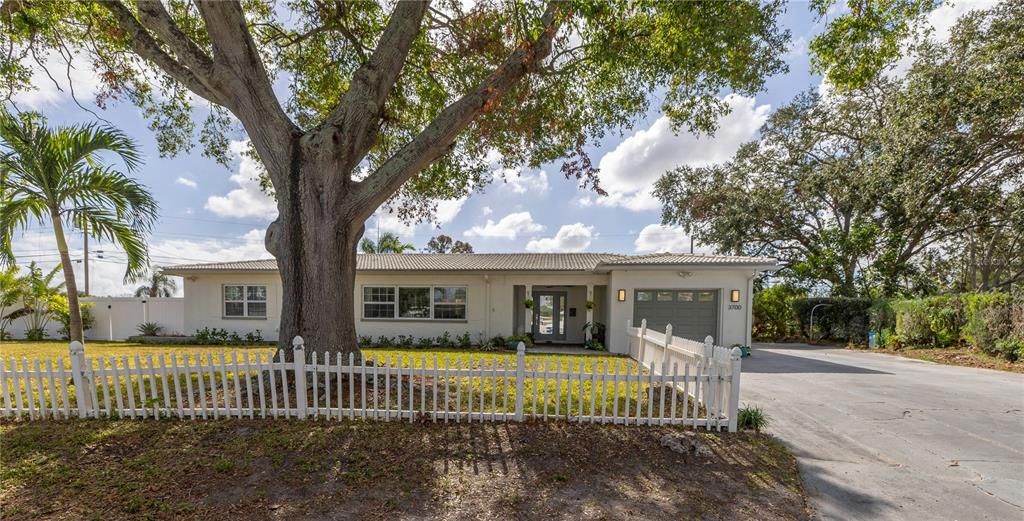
883,437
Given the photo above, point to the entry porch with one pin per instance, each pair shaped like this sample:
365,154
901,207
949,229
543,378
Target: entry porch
564,315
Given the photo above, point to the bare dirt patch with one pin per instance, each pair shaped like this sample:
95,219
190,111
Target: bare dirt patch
960,356
237,469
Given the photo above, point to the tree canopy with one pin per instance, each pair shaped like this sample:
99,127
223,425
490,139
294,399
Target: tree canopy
867,190
351,105
184,62
444,244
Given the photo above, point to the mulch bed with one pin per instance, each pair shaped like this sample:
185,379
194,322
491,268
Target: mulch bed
239,469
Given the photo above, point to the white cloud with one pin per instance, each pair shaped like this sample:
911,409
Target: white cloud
486,211
658,238
509,227
184,181
247,200
797,47
522,183
629,172
570,238
56,87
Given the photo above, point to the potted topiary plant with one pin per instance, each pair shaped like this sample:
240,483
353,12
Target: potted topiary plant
589,304
528,303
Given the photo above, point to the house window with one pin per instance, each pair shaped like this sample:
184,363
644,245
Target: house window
664,296
244,301
706,296
378,302
643,296
684,296
450,303
415,302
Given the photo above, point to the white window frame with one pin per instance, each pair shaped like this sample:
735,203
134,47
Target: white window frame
432,303
364,302
395,305
244,301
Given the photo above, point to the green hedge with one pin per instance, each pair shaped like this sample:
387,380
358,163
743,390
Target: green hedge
934,321
840,318
774,317
991,322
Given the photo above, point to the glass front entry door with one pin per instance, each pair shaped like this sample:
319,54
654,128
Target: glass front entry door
549,316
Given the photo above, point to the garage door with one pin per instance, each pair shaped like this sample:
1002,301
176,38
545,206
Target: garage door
692,313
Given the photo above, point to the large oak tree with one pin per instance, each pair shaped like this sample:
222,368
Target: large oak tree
350,106
873,190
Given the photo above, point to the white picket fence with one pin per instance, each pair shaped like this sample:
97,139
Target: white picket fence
250,384
719,392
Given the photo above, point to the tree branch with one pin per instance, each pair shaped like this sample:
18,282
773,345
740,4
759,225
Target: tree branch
143,43
253,100
359,111
436,139
153,15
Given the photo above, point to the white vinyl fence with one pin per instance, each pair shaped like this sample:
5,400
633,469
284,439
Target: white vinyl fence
718,392
251,384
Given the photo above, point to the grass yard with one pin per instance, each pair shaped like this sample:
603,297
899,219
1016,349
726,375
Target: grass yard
238,469
542,396
958,356
468,358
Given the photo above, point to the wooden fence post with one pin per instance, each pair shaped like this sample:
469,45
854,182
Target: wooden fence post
643,342
299,364
734,387
520,379
668,342
82,395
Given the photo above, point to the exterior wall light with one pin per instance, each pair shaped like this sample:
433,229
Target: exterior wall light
622,295
734,295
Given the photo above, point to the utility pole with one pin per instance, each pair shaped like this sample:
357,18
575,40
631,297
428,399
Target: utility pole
85,259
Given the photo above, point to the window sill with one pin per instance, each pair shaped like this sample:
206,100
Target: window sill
243,318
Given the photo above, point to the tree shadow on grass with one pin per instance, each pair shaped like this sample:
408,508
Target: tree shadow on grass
243,469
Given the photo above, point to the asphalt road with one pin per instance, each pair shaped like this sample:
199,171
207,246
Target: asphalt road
882,437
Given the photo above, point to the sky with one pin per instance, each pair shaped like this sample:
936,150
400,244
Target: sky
210,213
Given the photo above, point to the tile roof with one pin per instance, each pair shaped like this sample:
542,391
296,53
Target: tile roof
494,262
657,259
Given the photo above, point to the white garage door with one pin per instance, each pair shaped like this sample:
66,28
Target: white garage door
692,313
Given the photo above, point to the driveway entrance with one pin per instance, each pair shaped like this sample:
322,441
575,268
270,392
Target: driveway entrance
882,437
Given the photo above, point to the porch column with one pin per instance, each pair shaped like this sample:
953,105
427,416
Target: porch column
528,312
590,310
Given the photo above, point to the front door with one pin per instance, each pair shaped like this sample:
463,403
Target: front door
549,316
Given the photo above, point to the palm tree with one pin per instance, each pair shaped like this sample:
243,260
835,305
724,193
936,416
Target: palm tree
12,288
58,174
157,285
387,243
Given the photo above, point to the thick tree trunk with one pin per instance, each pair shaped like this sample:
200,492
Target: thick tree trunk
314,240
75,324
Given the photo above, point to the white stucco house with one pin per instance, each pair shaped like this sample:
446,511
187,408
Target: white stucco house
485,294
